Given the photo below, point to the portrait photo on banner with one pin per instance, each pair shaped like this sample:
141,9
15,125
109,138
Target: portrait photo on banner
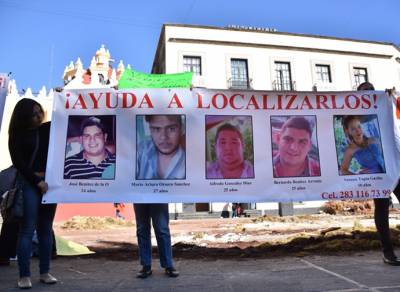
295,150
358,144
160,147
229,147
90,148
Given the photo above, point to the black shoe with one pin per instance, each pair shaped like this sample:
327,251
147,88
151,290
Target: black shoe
4,261
391,260
171,272
144,272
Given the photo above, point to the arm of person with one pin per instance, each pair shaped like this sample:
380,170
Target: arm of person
348,155
16,153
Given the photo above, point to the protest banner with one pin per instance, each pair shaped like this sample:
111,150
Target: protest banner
395,98
3,93
200,145
134,79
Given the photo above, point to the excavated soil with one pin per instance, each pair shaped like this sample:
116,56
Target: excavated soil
267,236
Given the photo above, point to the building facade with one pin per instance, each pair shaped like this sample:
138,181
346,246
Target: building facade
264,59
251,58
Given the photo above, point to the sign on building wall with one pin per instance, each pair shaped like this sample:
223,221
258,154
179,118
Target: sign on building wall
3,93
181,145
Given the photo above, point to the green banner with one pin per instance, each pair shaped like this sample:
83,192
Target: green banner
134,79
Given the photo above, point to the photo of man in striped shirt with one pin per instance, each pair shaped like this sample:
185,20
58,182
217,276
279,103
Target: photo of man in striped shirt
94,161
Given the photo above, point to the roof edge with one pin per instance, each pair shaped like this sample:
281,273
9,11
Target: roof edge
280,33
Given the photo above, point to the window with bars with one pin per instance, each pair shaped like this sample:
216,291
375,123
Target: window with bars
360,75
192,64
323,73
239,73
283,78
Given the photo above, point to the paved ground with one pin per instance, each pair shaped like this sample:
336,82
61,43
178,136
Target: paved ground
355,272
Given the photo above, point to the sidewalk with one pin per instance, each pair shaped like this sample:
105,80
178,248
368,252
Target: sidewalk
352,272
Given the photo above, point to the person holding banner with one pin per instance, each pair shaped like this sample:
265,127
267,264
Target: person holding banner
294,145
28,144
94,161
381,213
162,156
159,215
229,150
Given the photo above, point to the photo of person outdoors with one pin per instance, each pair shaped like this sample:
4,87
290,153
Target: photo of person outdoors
229,147
90,148
358,145
294,146
160,147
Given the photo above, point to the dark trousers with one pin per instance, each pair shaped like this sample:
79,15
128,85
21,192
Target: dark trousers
381,217
8,239
158,215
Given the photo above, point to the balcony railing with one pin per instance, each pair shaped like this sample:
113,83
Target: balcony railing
284,86
239,83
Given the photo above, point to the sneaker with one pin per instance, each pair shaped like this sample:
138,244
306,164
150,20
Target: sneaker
391,260
171,272
24,283
47,279
144,272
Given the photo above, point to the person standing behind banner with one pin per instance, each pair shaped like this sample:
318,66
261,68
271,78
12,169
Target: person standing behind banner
381,213
28,144
158,214
162,157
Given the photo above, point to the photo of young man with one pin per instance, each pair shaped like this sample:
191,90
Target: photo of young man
160,152
231,156
295,151
94,160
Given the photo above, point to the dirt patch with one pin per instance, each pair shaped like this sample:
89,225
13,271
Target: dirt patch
349,207
84,223
301,245
267,236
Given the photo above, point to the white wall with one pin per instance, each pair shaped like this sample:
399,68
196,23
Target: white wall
382,72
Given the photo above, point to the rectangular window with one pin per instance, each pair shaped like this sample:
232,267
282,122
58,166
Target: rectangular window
360,75
192,64
323,73
283,78
240,77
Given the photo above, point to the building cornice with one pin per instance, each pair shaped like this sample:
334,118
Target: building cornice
281,47
278,33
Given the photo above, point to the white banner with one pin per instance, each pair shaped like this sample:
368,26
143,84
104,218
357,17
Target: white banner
395,97
3,93
160,145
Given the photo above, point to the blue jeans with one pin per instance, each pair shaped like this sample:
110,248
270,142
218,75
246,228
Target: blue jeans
36,216
158,214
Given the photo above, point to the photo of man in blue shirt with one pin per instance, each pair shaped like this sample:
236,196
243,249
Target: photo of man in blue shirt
161,156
